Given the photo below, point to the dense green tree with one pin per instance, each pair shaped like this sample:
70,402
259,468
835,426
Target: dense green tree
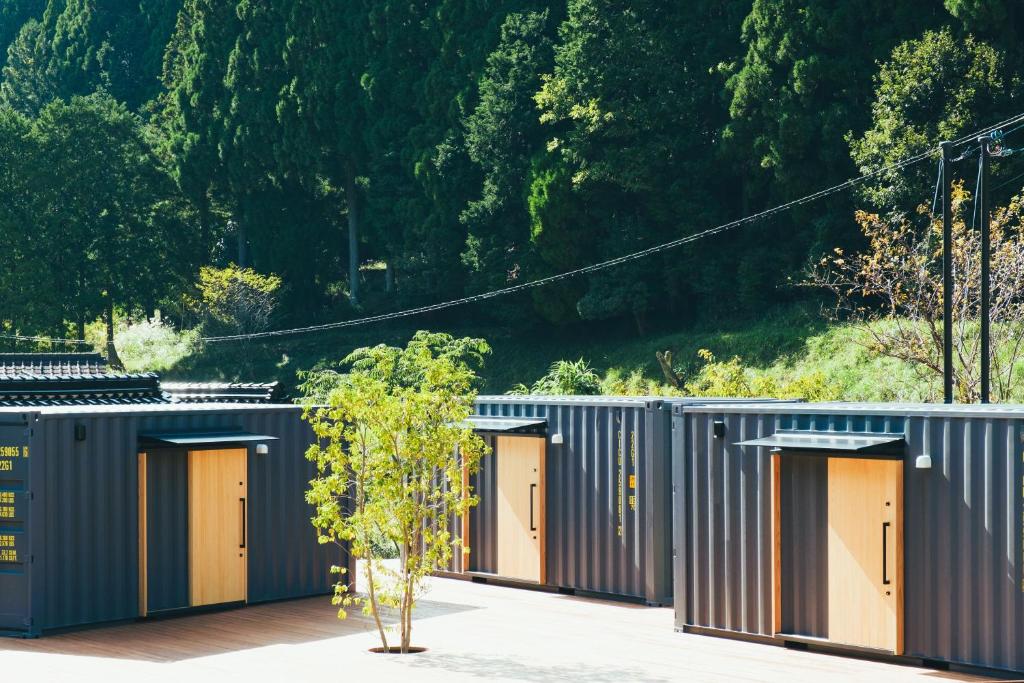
13,15
936,87
635,123
191,118
798,91
457,145
107,211
80,46
503,136
28,305
322,115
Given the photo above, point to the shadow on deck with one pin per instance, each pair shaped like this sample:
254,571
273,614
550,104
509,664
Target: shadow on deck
190,636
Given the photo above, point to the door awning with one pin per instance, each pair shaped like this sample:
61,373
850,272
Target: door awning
195,438
847,442
508,425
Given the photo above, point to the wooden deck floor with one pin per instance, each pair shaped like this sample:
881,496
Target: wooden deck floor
474,632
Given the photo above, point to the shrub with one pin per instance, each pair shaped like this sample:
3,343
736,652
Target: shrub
235,300
146,346
568,378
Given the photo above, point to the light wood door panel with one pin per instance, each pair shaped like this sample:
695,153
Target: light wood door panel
865,553
143,539
520,508
217,498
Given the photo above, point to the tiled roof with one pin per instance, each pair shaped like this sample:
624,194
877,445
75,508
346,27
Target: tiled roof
26,390
223,392
21,365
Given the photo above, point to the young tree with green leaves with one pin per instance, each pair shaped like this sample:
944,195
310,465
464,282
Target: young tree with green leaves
393,449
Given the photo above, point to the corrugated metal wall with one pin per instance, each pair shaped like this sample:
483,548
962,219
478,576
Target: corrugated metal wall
15,535
964,529
483,518
606,482
285,559
88,560
804,515
167,533
722,510
88,553
963,547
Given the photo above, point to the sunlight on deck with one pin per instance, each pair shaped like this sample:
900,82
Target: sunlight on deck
474,632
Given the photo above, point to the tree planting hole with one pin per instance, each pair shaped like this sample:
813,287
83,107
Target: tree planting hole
396,650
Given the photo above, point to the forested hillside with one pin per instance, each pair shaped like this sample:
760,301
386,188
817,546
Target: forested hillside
376,155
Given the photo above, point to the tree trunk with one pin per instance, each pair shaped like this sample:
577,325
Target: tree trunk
80,328
352,200
243,244
389,277
113,360
640,319
374,608
665,362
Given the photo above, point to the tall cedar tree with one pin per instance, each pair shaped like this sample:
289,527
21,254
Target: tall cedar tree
634,125
80,46
798,92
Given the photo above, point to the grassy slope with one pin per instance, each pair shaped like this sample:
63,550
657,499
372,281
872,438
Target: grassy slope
786,343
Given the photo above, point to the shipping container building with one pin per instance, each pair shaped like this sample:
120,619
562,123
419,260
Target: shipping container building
575,495
116,504
887,529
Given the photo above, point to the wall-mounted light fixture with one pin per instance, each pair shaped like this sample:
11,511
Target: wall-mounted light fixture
718,429
923,462
556,439
262,449
79,432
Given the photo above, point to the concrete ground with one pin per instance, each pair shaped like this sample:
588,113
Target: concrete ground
474,632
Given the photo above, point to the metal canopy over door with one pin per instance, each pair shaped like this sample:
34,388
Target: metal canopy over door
217,485
520,507
865,553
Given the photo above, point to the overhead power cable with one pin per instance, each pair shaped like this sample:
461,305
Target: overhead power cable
603,265
627,258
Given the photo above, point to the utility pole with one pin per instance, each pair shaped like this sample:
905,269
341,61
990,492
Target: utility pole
986,249
946,148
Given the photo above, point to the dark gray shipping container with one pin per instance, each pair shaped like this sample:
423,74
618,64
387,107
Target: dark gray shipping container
963,524
69,542
607,496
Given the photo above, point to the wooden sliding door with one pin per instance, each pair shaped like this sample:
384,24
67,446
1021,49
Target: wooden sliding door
520,507
865,553
217,493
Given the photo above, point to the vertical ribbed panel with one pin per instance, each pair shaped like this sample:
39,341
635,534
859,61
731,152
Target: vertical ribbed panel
964,585
90,503
805,545
285,558
963,530
483,523
167,529
89,555
15,523
597,537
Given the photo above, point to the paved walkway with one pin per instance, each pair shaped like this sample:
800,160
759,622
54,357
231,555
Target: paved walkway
475,633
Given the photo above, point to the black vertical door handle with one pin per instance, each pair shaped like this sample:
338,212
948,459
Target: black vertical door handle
533,526
885,559
244,530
